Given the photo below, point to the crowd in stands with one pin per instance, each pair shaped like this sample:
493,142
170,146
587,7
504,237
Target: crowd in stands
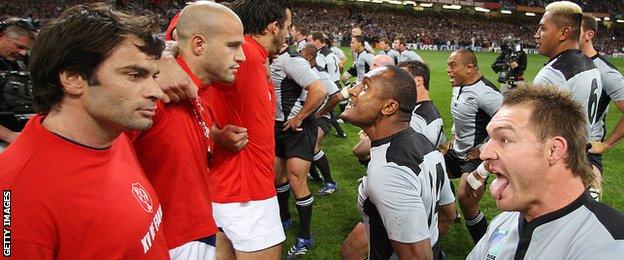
427,27
604,6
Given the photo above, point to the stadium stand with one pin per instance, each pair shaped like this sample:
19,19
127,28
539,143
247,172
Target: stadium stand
424,27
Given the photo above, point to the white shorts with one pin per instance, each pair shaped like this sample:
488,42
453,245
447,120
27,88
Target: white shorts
251,226
194,250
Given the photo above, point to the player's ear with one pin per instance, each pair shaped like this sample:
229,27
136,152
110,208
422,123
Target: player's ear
198,44
558,149
419,81
390,107
72,83
273,28
566,33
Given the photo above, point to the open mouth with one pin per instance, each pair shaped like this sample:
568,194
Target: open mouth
350,104
498,186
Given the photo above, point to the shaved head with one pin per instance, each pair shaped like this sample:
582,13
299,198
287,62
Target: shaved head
382,60
204,18
467,57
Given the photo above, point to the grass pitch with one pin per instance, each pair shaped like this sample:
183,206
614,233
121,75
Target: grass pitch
334,216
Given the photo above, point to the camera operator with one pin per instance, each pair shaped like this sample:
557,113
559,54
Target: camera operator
510,64
16,37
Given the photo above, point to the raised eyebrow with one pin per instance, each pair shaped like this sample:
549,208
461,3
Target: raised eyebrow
500,128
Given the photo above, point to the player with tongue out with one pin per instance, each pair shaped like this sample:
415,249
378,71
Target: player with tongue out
537,152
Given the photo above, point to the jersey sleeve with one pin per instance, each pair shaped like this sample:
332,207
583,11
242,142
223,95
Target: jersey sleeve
417,57
446,194
300,71
491,101
368,58
321,61
396,194
549,76
341,54
32,226
613,84
331,87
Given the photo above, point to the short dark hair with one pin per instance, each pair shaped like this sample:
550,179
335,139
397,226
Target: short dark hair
329,41
400,86
256,15
417,68
555,113
385,40
303,30
468,57
589,23
309,49
401,40
79,41
318,36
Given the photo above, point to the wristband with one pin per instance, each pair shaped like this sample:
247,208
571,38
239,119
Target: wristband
474,221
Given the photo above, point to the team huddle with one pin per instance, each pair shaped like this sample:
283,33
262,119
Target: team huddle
190,149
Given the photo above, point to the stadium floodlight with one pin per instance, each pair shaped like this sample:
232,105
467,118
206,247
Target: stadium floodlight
597,19
529,14
409,3
426,5
505,12
452,7
395,2
619,21
481,9
377,1
607,18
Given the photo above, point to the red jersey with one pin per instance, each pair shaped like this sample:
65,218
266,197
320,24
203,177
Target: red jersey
249,102
68,201
173,154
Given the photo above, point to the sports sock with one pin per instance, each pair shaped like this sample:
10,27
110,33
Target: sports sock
320,160
304,207
283,194
314,173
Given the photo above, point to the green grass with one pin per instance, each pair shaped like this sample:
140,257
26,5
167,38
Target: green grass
334,216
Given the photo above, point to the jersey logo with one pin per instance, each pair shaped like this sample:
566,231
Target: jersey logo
200,113
496,241
142,197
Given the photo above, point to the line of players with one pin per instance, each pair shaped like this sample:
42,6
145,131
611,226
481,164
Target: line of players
479,113
243,200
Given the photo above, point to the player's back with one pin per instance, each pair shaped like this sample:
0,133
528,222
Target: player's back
571,70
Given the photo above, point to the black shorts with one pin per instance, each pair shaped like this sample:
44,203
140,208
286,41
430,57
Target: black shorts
456,166
595,160
325,124
300,144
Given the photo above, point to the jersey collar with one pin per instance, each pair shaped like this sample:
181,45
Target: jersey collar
385,140
560,54
250,40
